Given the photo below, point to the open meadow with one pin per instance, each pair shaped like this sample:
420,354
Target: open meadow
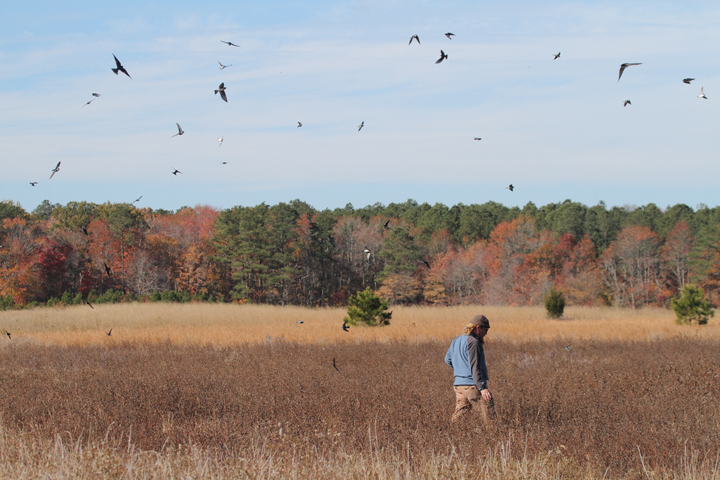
228,391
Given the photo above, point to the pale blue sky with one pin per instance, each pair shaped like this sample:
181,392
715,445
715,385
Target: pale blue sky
556,129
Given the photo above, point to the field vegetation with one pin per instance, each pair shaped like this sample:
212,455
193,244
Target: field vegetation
227,391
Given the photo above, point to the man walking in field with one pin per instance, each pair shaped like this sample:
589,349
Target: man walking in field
466,357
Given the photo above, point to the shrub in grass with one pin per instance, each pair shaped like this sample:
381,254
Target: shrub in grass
368,308
692,306
555,303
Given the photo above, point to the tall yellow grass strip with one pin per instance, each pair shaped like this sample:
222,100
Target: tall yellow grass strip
230,324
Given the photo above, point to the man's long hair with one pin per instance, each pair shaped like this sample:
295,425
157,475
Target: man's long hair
468,331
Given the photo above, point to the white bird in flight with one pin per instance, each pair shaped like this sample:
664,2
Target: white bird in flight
220,140
223,67
54,170
702,94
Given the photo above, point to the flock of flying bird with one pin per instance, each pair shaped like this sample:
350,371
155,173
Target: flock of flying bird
223,95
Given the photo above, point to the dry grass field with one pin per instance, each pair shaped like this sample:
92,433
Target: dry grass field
221,391
230,324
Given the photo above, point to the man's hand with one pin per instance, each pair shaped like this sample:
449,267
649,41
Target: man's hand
486,395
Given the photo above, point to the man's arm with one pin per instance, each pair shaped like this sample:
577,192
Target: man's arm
448,357
478,374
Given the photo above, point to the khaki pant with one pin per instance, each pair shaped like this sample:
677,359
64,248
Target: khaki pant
468,397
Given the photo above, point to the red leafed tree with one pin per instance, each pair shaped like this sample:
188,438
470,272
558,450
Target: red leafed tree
52,258
516,277
578,277
19,270
631,267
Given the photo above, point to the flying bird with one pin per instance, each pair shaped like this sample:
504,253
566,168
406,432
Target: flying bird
414,37
89,304
223,67
8,334
107,270
702,95
95,94
229,44
624,66
626,103
220,140
85,231
109,334
300,321
510,187
33,183
362,124
477,138
426,263
224,163
176,171
137,199
567,347
556,56
55,170
688,80
345,327
443,56
221,89
119,67
386,226
299,124
450,35
334,366
89,102
367,252
180,130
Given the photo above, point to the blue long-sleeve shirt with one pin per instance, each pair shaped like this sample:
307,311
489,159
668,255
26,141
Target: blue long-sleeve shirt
466,357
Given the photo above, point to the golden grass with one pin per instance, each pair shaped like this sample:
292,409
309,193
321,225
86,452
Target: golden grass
230,324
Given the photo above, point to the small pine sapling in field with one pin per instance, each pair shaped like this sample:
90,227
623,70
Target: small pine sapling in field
554,303
367,308
692,306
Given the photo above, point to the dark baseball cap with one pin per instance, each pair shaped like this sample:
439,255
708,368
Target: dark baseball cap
481,320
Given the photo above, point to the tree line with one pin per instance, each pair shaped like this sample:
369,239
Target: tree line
408,253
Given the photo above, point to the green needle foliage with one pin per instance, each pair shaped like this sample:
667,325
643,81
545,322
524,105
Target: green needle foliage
692,306
368,308
555,303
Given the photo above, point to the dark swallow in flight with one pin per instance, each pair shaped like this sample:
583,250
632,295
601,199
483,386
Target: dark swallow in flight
443,56
180,130
119,67
8,334
55,170
510,187
477,138
229,44
426,263
362,124
221,89
688,80
386,226
414,37
299,124
85,231
556,56
624,66
33,183
107,270
626,103
109,334
137,199
450,35
89,304
334,366
89,102
176,171
95,94
345,327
